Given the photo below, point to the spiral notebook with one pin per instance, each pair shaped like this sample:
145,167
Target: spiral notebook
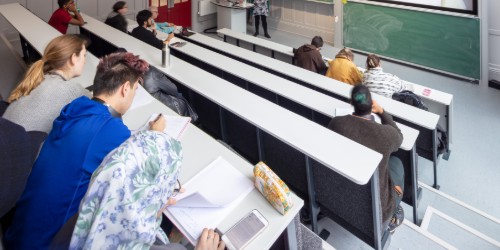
175,125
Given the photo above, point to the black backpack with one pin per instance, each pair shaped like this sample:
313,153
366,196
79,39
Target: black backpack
414,100
410,98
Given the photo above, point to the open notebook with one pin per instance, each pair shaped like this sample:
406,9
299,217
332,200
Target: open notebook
348,111
175,125
210,196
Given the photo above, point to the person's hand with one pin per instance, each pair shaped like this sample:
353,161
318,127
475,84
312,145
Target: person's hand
171,201
376,108
209,240
171,24
158,124
72,7
170,36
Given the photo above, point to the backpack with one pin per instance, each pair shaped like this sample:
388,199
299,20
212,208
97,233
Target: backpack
414,100
410,98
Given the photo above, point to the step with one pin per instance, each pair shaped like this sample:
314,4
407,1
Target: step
455,232
454,208
407,236
410,236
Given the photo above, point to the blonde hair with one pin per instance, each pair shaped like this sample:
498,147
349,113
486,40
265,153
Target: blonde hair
56,55
372,61
346,52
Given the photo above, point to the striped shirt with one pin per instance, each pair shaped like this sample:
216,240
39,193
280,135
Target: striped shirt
383,83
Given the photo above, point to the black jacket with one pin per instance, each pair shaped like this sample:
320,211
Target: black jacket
147,36
117,21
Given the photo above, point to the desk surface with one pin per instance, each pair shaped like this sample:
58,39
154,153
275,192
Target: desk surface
199,148
414,115
307,97
258,41
316,141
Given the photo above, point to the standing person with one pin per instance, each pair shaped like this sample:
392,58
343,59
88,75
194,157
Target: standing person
62,17
343,69
380,82
141,32
384,138
116,18
260,10
45,89
83,134
308,56
164,27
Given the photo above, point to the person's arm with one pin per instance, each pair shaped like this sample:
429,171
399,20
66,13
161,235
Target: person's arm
393,131
320,64
76,19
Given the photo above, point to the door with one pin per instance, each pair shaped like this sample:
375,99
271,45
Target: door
173,11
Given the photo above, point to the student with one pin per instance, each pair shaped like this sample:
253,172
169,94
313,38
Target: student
343,69
384,138
164,27
62,17
144,171
261,11
116,18
145,20
308,56
84,133
380,82
45,88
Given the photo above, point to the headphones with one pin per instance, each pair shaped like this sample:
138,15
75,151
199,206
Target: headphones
113,112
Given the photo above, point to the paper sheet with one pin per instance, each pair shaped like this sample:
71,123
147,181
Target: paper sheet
175,125
349,111
210,196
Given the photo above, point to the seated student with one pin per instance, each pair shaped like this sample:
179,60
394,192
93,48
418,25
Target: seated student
145,19
85,132
308,56
62,17
379,82
343,69
384,138
116,19
46,89
144,171
163,27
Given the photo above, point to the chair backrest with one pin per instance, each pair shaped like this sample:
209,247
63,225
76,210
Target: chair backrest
18,150
345,202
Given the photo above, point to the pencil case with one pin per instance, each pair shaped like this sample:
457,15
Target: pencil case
273,188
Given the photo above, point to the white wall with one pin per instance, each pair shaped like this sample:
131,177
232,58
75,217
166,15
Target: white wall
494,39
302,17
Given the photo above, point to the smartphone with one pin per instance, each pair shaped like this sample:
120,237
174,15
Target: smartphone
238,236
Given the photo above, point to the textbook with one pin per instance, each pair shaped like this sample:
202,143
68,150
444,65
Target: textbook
209,198
175,125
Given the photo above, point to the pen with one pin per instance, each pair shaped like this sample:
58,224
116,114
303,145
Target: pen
157,118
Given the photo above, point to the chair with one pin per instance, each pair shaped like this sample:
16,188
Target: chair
18,150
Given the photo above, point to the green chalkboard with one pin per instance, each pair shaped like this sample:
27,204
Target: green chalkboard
444,42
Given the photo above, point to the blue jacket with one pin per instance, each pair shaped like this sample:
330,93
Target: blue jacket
82,135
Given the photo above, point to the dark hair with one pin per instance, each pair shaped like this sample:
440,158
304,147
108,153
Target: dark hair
361,99
61,3
372,61
119,5
143,16
317,42
115,69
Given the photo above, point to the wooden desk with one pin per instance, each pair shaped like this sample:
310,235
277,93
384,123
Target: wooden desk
199,149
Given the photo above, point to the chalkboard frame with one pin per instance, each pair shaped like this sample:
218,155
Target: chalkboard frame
472,12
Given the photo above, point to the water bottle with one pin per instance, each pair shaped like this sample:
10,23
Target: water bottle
165,57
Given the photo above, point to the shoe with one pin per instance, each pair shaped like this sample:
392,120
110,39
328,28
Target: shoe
267,35
397,219
256,34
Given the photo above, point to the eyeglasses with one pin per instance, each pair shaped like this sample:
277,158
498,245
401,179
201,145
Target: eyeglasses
141,81
177,189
